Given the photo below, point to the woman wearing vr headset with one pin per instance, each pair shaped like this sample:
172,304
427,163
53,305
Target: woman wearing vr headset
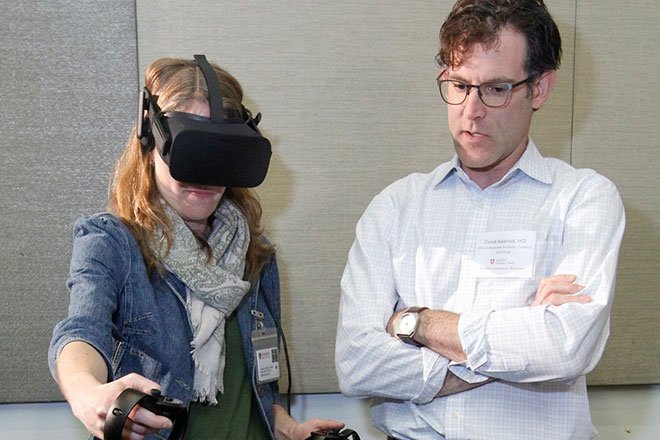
174,287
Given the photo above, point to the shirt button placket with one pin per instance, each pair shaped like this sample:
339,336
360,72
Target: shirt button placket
453,425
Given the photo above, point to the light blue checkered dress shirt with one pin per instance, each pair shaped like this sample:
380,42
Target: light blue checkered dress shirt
415,246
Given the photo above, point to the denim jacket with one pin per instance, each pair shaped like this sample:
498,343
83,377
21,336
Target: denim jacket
138,322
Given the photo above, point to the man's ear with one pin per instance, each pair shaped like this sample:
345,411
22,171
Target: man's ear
542,87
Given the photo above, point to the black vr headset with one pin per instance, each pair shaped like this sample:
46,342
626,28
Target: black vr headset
208,151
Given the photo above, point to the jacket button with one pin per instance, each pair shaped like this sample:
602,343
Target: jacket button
261,389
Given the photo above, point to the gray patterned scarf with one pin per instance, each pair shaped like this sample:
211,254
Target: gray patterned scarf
217,289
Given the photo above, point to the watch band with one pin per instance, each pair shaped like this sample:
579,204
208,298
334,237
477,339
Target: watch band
415,309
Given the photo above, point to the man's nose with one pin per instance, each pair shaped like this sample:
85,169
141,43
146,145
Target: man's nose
473,106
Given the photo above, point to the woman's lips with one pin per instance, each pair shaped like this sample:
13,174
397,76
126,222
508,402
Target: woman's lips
199,192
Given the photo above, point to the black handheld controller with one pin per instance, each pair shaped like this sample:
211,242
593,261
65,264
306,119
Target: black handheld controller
173,409
334,434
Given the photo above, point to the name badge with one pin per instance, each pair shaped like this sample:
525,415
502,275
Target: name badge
508,254
265,342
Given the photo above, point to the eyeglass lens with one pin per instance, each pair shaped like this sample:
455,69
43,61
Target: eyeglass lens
492,95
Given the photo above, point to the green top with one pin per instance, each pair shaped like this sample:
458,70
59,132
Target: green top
236,416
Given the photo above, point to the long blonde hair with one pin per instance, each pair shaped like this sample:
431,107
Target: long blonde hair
177,84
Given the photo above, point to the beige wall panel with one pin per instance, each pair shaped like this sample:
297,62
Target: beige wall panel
616,131
348,96
551,127
349,100
67,78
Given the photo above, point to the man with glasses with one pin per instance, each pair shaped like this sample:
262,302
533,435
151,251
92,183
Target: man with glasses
477,297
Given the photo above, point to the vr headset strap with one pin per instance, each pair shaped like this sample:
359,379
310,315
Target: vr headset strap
213,85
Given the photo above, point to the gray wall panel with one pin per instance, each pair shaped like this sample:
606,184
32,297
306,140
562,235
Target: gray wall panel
68,88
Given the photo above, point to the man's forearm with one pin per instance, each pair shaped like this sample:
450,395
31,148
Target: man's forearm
438,330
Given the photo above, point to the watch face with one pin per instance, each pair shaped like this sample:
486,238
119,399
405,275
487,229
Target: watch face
407,323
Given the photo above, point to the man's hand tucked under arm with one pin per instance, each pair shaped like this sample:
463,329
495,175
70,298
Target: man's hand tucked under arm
454,384
438,330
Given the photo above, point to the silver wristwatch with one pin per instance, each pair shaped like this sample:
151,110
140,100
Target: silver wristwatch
407,324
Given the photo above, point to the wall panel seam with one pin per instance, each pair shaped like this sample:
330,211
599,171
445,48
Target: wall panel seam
137,48
574,81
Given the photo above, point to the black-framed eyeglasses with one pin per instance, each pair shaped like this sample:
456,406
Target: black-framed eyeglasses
493,94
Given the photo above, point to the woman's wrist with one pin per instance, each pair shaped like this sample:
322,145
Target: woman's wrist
285,425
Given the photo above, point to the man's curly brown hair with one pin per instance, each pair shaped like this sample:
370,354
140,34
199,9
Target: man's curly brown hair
480,22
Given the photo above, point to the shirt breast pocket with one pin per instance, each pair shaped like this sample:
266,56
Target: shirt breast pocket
546,257
504,293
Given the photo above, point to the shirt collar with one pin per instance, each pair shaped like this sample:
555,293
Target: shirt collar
531,163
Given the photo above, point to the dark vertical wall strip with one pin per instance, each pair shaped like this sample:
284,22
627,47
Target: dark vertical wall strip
68,86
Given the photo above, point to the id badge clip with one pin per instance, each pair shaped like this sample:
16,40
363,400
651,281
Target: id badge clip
265,343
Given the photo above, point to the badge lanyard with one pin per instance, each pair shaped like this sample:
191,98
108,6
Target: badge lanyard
265,343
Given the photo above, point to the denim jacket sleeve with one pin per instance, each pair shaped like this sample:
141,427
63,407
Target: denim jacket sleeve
118,308
96,261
